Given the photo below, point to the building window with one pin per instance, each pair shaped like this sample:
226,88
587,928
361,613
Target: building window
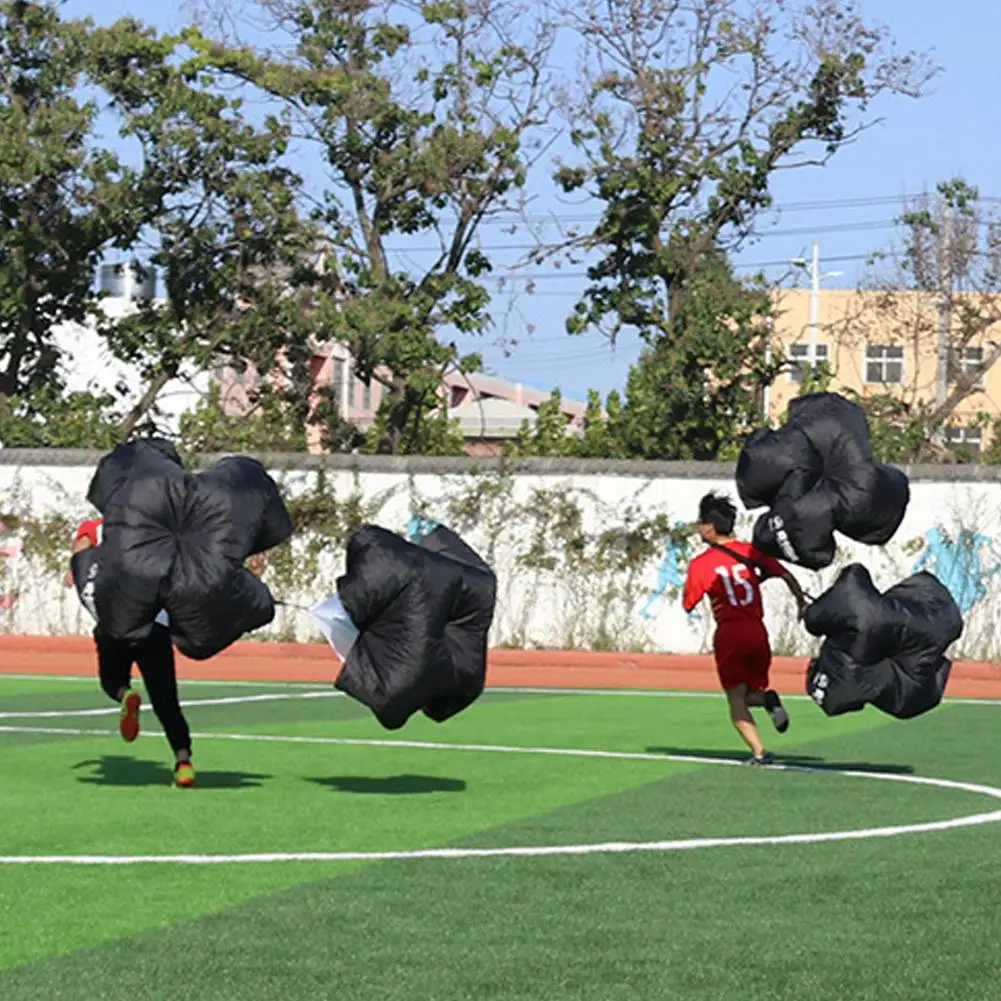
351,385
966,362
884,363
799,355
366,396
966,441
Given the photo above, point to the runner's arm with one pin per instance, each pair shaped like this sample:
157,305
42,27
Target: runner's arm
694,591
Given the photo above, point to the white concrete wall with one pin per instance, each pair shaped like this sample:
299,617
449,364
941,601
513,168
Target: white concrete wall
952,528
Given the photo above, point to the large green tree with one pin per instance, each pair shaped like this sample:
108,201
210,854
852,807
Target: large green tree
222,224
682,115
64,200
196,191
698,385
424,117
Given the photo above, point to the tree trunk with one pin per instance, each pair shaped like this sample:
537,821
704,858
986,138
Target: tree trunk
144,404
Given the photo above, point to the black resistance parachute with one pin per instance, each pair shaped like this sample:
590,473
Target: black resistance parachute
885,650
177,541
422,613
816,475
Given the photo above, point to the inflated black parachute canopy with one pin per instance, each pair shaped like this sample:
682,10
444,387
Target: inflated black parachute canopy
423,612
816,475
177,540
885,650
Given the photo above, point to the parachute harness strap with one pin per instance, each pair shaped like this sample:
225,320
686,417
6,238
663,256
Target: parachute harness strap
752,565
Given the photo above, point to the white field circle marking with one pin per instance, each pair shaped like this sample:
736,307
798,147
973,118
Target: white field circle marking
602,848
641,693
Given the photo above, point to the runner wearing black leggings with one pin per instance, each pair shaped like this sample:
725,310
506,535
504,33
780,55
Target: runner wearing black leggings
155,658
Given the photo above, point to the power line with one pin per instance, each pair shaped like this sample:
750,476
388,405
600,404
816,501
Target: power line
515,276
822,205
751,265
848,227
844,227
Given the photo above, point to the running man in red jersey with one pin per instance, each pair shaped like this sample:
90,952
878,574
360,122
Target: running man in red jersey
155,658
730,573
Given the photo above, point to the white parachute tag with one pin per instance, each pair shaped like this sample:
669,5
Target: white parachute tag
336,625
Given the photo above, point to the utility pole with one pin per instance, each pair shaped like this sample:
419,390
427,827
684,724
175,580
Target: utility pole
815,279
814,306
944,304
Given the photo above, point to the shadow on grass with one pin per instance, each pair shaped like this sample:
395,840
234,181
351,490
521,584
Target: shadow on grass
118,770
794,760
391,785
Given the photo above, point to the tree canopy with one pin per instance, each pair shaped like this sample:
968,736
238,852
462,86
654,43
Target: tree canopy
274,180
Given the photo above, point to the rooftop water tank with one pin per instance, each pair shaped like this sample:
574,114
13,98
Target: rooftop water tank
127,281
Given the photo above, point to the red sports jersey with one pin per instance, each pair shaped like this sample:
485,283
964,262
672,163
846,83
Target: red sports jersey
732,586
92,530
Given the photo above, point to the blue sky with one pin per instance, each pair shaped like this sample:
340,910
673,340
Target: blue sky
954,131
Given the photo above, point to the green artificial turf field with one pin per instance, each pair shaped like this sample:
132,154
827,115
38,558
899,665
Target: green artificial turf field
289,772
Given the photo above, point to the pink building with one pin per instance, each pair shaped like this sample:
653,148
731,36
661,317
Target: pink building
490,410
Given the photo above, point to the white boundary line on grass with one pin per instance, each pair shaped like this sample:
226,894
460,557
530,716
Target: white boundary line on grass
229,700
648,693
87,679
603,848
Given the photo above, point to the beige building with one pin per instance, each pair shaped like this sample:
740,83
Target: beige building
887,343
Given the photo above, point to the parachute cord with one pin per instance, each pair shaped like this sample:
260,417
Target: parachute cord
290,604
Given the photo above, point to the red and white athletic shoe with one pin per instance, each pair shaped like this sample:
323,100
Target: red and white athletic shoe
128,723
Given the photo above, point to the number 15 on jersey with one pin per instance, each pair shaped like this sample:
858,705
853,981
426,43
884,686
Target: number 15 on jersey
739,590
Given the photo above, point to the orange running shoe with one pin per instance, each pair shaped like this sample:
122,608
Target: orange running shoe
128,723
184,774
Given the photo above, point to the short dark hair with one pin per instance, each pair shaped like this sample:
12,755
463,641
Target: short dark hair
719,511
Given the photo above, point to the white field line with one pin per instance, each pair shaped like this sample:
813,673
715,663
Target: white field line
228,700
603,848
614,847
566,752
646,693
82,679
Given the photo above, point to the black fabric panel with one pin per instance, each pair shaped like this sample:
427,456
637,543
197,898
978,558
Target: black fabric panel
142,516
259,518
467,631
178,541
206,620
423,613
817,476
145,456
887,650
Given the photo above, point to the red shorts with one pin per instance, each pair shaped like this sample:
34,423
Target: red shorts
743,654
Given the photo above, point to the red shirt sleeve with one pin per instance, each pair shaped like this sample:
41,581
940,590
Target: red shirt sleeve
695,587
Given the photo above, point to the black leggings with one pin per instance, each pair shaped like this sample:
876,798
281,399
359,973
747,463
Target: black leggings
155,657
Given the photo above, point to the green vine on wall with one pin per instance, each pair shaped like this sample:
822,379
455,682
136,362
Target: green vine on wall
323,521
559,543
45,541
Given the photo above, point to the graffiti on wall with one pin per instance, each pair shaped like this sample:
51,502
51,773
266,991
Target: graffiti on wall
670,576
965,561
418,527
